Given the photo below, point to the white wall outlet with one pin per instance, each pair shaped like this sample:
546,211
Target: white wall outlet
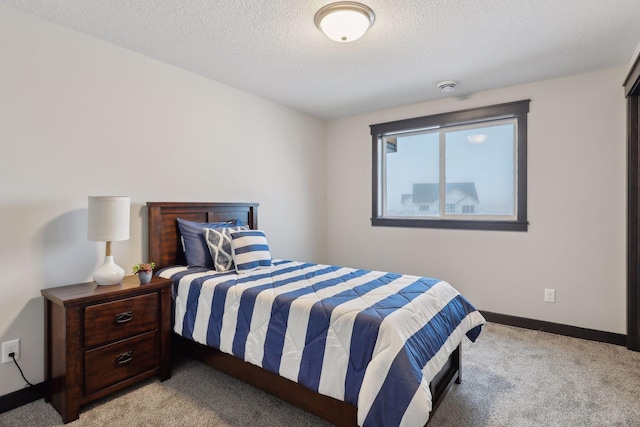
549,295
10,347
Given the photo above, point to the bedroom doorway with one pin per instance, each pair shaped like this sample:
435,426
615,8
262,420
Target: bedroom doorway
632,93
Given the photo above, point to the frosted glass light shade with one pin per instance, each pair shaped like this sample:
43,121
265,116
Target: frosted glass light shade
344,21
108,218
478,138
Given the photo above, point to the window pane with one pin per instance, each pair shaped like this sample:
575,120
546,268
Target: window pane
480,170
462,170
412,175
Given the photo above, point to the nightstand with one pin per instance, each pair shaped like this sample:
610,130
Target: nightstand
100,339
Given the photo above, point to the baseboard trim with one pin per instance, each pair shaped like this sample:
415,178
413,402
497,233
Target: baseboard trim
21,397
556,328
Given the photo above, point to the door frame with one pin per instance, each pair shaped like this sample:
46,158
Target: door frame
632,93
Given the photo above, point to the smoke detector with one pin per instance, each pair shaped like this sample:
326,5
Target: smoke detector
447,85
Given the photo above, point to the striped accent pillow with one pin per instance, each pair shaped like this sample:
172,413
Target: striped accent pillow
250,250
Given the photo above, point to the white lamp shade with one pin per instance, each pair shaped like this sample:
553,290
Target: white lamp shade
108,218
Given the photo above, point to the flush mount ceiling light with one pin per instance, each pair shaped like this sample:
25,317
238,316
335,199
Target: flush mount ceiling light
344,21
478,138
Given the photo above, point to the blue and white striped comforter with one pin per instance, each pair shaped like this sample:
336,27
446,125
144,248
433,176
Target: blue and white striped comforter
370,338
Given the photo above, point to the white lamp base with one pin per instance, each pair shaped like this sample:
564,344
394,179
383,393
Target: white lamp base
108,273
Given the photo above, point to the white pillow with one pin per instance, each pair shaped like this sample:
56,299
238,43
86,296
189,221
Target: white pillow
219,243
250,250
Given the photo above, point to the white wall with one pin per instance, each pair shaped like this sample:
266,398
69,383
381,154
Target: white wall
81,117
576,208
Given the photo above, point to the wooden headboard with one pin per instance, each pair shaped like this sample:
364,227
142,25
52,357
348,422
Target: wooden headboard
165,247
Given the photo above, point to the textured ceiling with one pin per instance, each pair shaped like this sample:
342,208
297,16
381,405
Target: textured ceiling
271,48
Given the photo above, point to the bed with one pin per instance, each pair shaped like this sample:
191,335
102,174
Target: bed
165,248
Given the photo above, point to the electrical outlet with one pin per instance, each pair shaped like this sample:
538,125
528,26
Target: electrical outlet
10,347
549,295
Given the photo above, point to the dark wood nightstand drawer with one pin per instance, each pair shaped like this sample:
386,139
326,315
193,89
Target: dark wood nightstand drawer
120,319
110,364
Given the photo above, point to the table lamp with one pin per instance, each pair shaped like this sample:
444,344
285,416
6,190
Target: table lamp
108,222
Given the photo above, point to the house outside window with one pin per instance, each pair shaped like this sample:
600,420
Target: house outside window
464,169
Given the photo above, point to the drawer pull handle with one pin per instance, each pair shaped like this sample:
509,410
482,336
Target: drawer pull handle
124,358
124,317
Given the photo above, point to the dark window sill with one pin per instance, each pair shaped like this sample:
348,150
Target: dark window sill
455,224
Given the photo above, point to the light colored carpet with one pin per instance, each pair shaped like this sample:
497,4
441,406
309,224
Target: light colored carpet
511,377
519,378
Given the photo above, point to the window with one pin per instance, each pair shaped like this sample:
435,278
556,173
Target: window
465,169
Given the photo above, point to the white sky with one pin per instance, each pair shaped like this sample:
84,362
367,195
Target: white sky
490,164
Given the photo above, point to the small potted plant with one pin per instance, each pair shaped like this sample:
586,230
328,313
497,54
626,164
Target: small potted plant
144,271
